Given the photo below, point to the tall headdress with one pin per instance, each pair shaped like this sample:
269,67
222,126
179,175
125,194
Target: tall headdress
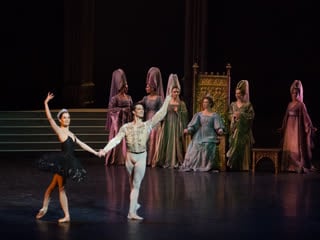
173,81
243,86
119,80
298,86
154,80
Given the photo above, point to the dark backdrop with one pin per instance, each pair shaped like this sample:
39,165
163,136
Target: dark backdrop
31,52
269,43
134,36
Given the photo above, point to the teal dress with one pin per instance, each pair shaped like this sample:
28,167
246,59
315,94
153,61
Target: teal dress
200,155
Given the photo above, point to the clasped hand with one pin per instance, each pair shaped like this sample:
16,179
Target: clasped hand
101,153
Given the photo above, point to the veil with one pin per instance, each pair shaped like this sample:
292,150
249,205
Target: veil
154,80
243,86
119,80
297,85
173,81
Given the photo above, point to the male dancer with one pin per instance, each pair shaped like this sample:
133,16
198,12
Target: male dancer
136,134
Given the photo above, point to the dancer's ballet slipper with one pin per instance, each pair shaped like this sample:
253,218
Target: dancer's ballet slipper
41,213
133,216
64,220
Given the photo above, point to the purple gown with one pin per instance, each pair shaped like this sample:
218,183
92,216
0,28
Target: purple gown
151,107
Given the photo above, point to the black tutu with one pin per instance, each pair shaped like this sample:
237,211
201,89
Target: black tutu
63,163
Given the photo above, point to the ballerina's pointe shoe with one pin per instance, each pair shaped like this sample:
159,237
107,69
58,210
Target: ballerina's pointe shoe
41,213
64,220
133,216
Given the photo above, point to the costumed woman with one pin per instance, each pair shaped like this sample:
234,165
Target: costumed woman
297,132
152,103
118,114
63,164
241,116
204,128
171,145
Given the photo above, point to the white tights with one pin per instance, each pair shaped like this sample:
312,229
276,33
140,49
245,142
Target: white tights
136,167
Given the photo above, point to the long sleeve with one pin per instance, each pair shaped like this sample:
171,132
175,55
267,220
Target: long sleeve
218,123
249,113
308,128
116,140
183,115
161,113
194,124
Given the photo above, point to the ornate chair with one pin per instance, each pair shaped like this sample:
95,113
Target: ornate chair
218,86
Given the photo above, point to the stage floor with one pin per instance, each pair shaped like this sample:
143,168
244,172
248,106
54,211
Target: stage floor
175,205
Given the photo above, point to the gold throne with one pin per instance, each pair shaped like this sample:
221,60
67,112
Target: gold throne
218,86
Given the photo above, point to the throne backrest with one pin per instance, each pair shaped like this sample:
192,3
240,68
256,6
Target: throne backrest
217,86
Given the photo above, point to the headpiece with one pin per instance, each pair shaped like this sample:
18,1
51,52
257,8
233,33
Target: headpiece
119,80
63,110
154,80
173,81
298,86
243,86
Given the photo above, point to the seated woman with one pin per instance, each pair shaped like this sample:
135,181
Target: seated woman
204,127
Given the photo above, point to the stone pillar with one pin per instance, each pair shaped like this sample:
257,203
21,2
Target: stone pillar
78,89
